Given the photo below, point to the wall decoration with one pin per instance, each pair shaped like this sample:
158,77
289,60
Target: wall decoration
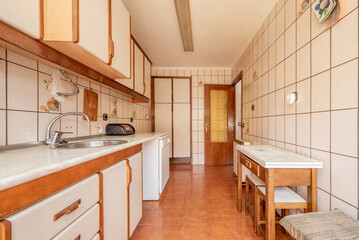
200,83
114,107
323,8
52,105
336,15
303,7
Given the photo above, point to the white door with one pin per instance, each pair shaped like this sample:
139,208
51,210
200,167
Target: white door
181,117
93,28
147,78
163,106
115,202
135,191
22,15
163,120
138,69
121,36
238,109
128,82
181,130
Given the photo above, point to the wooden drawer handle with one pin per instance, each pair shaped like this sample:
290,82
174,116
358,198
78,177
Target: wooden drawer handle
78,237
66,211
248,165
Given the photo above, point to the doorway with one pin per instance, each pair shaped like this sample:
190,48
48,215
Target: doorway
219,124
171,106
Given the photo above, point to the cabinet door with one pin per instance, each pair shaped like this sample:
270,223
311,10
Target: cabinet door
181,130
135,163
22,15
93,28
163,123
115,202
121,36
138,69
147,78
128,82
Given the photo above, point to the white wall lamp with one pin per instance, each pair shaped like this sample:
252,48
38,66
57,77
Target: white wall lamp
292,97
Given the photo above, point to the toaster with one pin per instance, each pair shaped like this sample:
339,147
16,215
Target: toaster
119,129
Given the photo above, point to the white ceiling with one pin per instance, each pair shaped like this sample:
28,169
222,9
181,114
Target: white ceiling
221,30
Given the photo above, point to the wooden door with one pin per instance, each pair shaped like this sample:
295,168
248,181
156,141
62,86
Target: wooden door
219,124
115,201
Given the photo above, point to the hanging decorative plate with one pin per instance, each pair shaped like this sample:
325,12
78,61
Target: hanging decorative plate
323,8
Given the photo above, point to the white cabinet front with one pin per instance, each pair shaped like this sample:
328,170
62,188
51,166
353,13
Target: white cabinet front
115,202
135,191
121,37
50,216
93,28
84,228
138,69
23,15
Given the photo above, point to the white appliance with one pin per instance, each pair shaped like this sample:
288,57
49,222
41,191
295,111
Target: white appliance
156,167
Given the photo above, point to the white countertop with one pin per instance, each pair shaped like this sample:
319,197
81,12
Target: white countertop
23,165
271,157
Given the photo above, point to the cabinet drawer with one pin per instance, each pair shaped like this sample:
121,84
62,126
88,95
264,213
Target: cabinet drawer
50,216
251,165
84,228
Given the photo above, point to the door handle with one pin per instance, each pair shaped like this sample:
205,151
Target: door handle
206,126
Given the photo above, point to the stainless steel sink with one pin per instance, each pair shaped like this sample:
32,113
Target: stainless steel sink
91,144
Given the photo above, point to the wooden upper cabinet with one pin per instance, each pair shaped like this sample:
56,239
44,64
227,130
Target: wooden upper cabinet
121,35
147,78
22,15
138,70
82,30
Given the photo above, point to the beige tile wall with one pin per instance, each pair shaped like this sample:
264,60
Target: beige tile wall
297,54
207,76
23,92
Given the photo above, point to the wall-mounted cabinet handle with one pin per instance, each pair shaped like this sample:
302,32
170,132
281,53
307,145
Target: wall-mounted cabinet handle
68,210
78,237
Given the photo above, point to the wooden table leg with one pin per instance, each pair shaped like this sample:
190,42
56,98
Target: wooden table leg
270,208
239,183
312,192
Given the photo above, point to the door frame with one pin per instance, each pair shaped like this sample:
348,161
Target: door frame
230,118
153,106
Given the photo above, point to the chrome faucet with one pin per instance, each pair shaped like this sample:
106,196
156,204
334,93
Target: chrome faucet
56,136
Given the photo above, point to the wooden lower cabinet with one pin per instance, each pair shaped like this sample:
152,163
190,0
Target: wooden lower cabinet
115,202
135,191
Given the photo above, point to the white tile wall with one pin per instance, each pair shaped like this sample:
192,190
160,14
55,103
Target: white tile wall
24,115
321,65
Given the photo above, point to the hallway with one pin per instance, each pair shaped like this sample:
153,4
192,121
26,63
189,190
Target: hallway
199,202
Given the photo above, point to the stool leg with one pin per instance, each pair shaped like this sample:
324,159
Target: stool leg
257,210
246,197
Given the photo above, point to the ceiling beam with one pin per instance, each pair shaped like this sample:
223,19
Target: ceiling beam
184,21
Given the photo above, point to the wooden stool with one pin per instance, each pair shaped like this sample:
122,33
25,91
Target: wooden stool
252,181
284,198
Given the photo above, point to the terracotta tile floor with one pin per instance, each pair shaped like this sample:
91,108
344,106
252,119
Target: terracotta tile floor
199,202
